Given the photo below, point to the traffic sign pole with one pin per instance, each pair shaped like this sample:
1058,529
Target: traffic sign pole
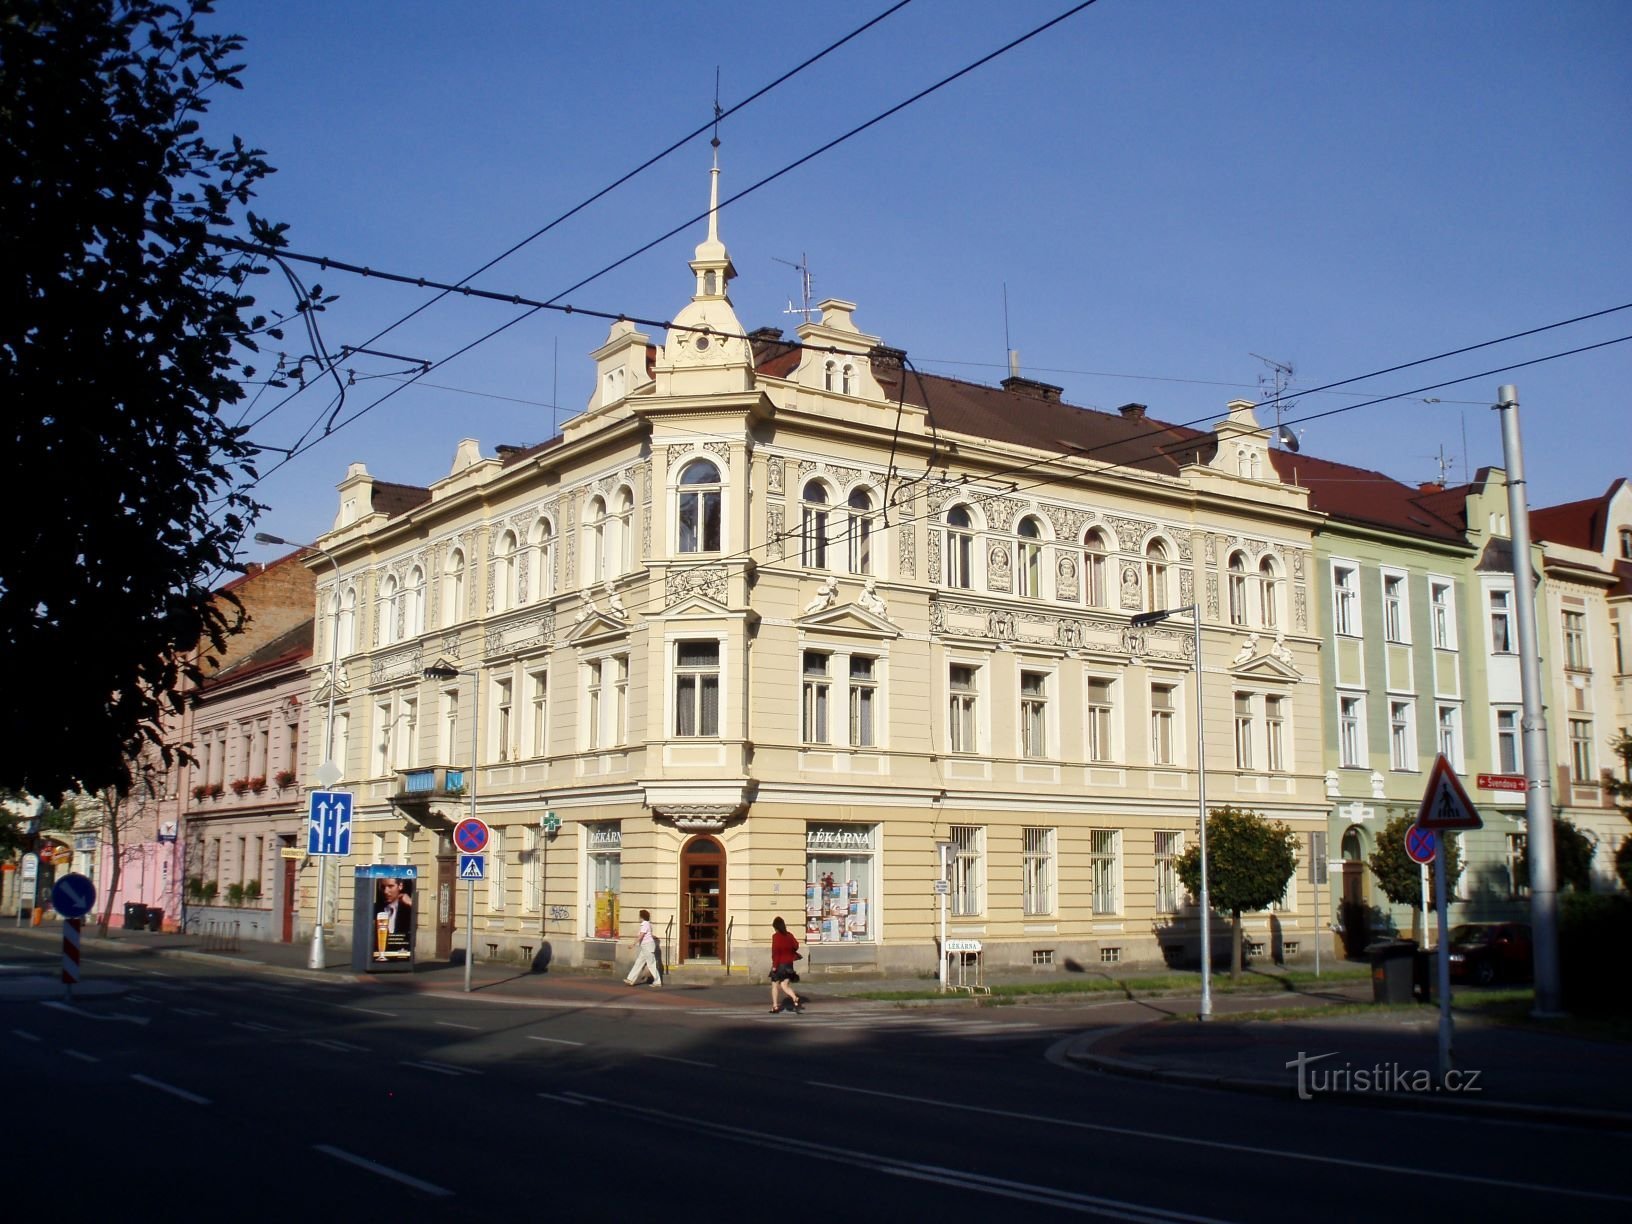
70,956
1444,968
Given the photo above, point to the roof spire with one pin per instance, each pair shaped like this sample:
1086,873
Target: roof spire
712,262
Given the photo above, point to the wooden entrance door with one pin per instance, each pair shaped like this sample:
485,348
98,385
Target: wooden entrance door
1355,914
702,900
290,896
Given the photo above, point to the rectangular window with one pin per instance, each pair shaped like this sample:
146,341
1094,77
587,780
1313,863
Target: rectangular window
1275,734
495,869
1443,613
1033,714
1098,719
1401,750
1350,746
968,870
1517,883
697,689
1581,752
1104,849
1243,730
817,692
1501,632
1449,720
620,699
1575,641
539,682
604,878
1344,583
532,879
839,883
1169,845
407,738
863,702
1161,724
962,709
291,750
450,727
1507,741
382,739
592,705
1038,867
1394,622
504,703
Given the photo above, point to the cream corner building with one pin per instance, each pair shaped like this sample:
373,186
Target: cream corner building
772,618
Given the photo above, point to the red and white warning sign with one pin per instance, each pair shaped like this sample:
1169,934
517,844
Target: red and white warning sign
1445,804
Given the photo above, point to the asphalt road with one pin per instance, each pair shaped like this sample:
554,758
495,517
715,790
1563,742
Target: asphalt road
211,1092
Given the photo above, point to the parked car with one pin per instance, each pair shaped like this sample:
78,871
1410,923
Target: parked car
1486,952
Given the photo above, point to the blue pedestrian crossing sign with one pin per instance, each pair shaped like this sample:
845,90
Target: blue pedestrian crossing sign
328,823
472,866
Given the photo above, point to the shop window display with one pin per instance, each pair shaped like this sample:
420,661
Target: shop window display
839,883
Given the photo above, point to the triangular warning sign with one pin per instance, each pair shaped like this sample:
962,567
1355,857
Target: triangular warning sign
1445,805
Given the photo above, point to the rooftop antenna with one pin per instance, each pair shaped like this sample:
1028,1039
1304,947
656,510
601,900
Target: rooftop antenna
1011,355
1445,462
1276,383
804,309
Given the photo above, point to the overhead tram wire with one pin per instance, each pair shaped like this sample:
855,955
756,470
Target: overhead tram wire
921,94
713,122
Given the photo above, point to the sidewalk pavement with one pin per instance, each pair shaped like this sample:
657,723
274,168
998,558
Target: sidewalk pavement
1386,1058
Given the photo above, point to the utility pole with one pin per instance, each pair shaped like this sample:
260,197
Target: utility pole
1538,792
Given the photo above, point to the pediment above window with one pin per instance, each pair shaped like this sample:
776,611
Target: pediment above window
848,620
593,626
1257,662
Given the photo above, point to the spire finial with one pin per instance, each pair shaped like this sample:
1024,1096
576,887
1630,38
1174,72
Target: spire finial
714,174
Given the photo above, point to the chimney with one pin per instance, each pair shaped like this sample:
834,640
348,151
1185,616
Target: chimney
1430,486
1133,412
1030,386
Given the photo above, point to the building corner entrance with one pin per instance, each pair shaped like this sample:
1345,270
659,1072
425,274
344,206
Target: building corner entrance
702,900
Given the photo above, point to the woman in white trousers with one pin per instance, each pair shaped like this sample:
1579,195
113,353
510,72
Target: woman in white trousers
645,953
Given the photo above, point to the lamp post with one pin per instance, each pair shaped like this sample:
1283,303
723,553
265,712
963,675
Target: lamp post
447,671
1141,621
317,957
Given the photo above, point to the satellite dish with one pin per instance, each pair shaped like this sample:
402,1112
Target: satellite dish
1287,438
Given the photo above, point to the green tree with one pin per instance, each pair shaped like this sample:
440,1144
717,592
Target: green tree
124,329
1572,857
1621,788
1249,862
1400,877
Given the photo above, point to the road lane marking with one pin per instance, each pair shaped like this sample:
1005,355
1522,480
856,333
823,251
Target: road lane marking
255,1026
89,1015
171,1089
550,1096
1223,1145
475,1028
688,1062
25,1035
441,1068
372,1167
91,1058
329,1043
193,1011
554,1040
370,1010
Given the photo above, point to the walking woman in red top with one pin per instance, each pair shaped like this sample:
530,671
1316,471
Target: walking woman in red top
784,950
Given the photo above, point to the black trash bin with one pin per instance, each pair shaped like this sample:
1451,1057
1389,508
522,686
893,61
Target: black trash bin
135,915
1392,970
1422,975
155,919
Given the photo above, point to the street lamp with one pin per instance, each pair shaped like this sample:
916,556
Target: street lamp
1141,621
317,957
441,670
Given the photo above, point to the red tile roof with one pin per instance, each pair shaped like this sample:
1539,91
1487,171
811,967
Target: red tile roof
1577,524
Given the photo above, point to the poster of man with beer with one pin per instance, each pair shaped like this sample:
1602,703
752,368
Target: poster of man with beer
393,919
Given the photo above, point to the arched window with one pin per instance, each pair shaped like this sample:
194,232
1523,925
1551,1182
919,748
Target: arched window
960,548
827,375
413,611
708,282
848,376
1093,568
1269,594
1028,559
504,569
388,610
541,576
348,622
595,540
813,525
623,556
1156,571
698,514
1238,588
861,532
453,589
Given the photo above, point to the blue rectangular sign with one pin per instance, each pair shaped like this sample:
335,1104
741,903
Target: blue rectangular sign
473,866
328,823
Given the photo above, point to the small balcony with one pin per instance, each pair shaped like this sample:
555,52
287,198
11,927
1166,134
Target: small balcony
430,783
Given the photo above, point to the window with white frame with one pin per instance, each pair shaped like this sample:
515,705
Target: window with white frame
699,508
342,742
1449,721
1105,862
863,701
1575,641
1442,611
450,726
541,574
1269,593
1097,717
406,739
1394,608
1581,772
1619,649
1028,558
453,589
968,870
623,531
813,513
1236,582
1243,730
538,711
859,545
1402,751
532,876
604,878
389,610
1034,714
1345,610
1518,885
504,703
1094,552
1501,625
1626,543
1163,704
382,739
594,549
347,632
960,548
1275,733
1351,748
1169,892
1037,872
963,708
619,731
413,611
495,869
504,571
1507,740
817,698
1157,596
592,704
697,689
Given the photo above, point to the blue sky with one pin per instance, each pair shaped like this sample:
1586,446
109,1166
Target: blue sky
1165,187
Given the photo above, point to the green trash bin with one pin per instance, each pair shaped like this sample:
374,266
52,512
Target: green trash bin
1393,964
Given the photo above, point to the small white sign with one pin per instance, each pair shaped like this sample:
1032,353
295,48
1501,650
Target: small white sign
942,888
963,945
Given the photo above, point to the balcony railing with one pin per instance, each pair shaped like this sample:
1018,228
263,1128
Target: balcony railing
430,782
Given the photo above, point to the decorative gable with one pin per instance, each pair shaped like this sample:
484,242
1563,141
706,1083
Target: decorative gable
848,620
1253,662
